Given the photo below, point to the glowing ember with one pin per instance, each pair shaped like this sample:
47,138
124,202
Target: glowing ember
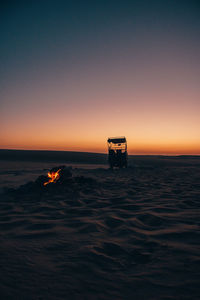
53,177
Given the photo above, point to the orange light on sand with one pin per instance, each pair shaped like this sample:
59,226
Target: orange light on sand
53,177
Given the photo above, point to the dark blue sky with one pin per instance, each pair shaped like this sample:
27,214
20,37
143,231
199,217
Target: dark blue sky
35,31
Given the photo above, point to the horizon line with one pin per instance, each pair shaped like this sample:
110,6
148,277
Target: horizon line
103,153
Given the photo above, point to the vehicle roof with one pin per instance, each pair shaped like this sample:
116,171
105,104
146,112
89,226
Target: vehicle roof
117,140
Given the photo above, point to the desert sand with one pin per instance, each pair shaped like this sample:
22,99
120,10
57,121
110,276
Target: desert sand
123,234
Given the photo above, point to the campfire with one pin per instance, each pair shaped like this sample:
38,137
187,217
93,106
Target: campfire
53,176
57,180
60,179
58,175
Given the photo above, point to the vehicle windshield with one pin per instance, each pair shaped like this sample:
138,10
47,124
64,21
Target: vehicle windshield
117,144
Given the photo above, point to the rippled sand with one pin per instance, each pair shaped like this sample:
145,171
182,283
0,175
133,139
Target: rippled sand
122,234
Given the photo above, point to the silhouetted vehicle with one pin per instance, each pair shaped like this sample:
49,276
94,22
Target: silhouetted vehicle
117,152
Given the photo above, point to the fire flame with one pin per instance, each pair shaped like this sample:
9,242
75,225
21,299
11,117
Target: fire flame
53,177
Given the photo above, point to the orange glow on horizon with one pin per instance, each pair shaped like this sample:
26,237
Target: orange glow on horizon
157,135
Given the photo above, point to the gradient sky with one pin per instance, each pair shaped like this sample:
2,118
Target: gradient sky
75,72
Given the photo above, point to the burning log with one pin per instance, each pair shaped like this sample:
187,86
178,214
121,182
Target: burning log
53,176
58,175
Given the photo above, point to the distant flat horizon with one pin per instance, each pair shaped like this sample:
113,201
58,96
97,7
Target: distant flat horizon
93,153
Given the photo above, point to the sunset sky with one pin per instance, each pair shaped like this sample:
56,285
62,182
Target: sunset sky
74,73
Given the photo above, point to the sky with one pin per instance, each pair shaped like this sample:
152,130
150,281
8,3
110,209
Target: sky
74,73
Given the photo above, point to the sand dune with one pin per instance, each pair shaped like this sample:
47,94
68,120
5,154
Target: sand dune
122,234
